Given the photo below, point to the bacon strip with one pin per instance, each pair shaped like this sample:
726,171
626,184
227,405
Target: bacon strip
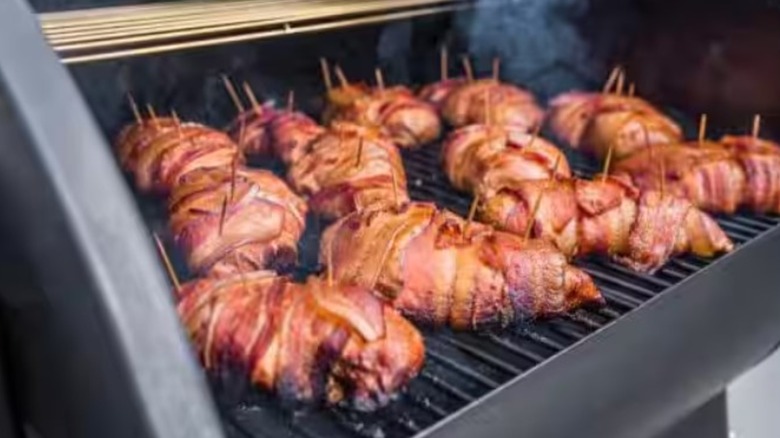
277,331
420,258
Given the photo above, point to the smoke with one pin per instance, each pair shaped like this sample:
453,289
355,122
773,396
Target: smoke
549,46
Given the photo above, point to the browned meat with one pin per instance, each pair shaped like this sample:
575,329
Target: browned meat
706,174
250,130
438,92
307,342
349,168
291,133
161,151
408,121
438,270
608,217
507,105
760,161
594,122
260,227
489,157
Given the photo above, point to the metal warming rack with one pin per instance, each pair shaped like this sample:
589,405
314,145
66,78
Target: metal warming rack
664,345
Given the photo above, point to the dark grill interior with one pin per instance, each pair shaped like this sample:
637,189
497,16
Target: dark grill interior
460,367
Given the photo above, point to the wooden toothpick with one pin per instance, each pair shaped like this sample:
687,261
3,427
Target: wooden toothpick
538,202
467,68
290,101
496,68
223,213
380,80
607,162
252,98
756,125
342,77
360,152
443,63
167,262
326,74
152,114
233,95
134,108
702,127
620,82
233,175
395,187
470,218
631,89
613,75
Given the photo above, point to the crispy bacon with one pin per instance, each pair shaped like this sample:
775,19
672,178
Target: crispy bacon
229,223
507,105
408,121
438,270
706,174
308,342
607,217
348,168
250,130
291,134
490,157
438,92
596,122
512,175
161,151
760,161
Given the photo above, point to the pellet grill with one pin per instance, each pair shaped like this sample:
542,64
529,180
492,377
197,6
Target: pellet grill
91,345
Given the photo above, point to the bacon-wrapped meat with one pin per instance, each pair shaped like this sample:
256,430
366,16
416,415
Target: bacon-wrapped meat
760,160
228,223
161,151
438,270
706,174
307,342
438,92
250,130
408,121
511,173
594,122
715,176
349,168
507,105
608,217
481,157
291,133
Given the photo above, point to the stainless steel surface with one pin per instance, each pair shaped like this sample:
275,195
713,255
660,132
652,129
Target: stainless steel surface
123,31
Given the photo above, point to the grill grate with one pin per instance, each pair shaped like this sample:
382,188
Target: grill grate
460,367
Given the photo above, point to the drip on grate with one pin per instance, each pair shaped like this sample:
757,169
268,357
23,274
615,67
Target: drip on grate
460,367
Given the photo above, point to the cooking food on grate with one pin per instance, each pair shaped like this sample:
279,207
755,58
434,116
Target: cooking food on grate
439,269
408,121
525,187
311,342
250,130
436,93
348,168
160,151
228,222
490,101
596,122
715,176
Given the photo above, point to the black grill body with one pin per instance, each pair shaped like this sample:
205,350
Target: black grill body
664,344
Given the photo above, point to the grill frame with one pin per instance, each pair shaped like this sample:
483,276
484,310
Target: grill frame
531,403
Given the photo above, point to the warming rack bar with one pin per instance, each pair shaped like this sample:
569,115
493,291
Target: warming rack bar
126,31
